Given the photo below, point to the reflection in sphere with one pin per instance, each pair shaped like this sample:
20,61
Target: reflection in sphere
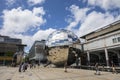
62,47
61,37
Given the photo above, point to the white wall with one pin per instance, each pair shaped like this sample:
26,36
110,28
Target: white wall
103,41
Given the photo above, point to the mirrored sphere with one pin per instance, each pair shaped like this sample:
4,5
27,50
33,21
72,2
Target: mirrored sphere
61,37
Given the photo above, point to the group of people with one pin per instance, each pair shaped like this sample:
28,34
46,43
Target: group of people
33,65
23,67
98,71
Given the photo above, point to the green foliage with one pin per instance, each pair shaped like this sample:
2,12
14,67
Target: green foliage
26,59
9,53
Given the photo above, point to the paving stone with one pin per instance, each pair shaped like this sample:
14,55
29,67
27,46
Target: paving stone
54,74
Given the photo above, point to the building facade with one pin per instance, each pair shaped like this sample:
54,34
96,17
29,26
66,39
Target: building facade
37,51
103,45
8,46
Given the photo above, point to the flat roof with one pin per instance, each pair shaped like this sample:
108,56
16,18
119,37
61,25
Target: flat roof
103,29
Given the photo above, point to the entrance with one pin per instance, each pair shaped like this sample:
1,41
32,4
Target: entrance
113,57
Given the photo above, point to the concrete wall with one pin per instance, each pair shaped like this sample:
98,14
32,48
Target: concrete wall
104,30
108,40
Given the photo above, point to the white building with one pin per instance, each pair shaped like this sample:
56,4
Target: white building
103,45
37,51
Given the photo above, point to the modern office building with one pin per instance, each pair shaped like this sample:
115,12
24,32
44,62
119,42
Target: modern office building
37,51
102,46
8,47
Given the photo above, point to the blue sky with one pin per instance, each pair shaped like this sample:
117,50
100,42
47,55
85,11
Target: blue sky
32,20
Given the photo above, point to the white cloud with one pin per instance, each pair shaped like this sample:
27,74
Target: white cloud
30,2
38,11
20,21
34,2
89,22
10,2
78,16
29,40
105,4
96,20
42,34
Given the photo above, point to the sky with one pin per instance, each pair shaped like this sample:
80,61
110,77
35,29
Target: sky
32,20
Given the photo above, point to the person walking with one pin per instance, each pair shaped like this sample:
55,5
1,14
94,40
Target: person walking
113,68
78,64
65,66
25,65
20,67
97,69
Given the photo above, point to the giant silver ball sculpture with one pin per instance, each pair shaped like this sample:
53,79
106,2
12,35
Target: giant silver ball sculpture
61,50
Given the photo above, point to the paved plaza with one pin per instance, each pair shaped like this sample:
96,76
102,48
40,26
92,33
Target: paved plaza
10,73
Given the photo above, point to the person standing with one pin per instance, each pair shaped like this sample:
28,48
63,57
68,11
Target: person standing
25,65
113,68
78,62
20,67
65,66
97,69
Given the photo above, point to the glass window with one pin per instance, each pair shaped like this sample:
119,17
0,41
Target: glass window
114,40
118,39
2,54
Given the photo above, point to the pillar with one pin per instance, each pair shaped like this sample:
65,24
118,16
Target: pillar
118,57
88,58
4,62
107,58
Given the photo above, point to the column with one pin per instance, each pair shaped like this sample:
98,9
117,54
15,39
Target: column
4,59
4,62
118,57
107,58
88,58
